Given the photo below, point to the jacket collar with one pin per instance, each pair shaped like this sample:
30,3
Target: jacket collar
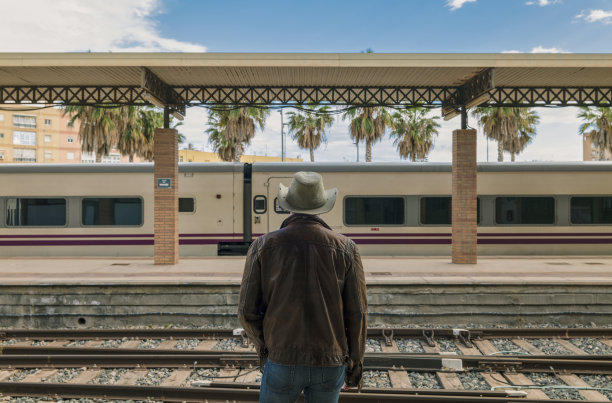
297,218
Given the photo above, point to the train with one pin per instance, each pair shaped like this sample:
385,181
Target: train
388,209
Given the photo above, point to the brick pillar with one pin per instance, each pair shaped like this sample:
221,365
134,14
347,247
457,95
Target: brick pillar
166,196
464,197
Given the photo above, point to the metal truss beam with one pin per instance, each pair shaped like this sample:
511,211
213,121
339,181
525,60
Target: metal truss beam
474,92
332,95
82,95
550,96
161,94
382,96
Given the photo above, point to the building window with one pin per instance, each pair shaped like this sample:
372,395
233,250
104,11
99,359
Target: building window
48,122
112,211
24,121
1,155
591,210
1,117
47,138
36,212
111,159
48,155
69,156
71,139
525,210
24,155
186,204
374,210
24,138
1,135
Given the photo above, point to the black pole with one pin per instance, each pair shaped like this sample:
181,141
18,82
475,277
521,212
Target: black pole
246,204
464,117
166,117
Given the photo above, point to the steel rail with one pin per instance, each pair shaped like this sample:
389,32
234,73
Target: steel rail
92,334
373,361
224,394
43,350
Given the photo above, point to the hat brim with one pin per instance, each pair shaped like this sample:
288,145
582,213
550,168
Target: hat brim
330,195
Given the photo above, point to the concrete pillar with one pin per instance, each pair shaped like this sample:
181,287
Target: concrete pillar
166,248
464,247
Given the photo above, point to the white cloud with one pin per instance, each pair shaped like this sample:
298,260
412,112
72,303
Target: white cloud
602,16
542,3
456,4
541,49
511,51
80,26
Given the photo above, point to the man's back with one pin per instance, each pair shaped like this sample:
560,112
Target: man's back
303,300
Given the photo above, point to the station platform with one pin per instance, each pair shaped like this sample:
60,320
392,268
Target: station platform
378,270
402,291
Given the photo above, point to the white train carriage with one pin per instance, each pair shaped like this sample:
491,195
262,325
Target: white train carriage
388,209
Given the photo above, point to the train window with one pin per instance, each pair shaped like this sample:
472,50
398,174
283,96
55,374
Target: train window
591,210
112,211
39,212
438,210
525,210
374,210
278,209
186,204
260,204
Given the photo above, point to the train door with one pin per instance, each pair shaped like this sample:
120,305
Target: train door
276,215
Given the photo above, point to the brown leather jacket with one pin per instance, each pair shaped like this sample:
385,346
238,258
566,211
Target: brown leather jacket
303,297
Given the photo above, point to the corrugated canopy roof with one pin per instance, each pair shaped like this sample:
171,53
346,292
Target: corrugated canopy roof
184,71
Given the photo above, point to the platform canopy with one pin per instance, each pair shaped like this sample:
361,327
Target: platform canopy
182,79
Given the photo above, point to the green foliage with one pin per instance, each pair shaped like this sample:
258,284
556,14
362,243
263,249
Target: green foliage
598,125
414,133
512,128
308,126
231,129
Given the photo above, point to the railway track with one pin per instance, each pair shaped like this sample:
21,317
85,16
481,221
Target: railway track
74,364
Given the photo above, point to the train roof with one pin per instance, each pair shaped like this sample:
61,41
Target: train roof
593,166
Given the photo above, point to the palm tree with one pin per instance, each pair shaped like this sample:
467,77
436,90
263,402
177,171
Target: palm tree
97,129
308,126
368,123
512,128
130,129
599,121
414,133
232,129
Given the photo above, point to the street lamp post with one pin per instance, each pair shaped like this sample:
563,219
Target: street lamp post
282,137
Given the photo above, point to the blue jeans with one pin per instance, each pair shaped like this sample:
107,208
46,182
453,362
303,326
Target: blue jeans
284,383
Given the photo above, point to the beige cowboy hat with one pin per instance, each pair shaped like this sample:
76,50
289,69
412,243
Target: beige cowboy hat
306,194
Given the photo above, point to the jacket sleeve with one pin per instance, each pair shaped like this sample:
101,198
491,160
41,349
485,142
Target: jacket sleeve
355,314
251,308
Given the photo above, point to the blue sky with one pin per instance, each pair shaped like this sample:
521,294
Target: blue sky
394,26
386,26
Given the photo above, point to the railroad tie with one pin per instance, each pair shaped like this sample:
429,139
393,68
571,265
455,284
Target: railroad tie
449,380
167,345
93,343
4,375
399,377
130,344
228,375
177,378
571,347
520,379
86,376
248,375
573,380
206,345
525,345
485,346
39,375
607,342
131,376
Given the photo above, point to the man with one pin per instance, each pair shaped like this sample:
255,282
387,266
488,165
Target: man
303,300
